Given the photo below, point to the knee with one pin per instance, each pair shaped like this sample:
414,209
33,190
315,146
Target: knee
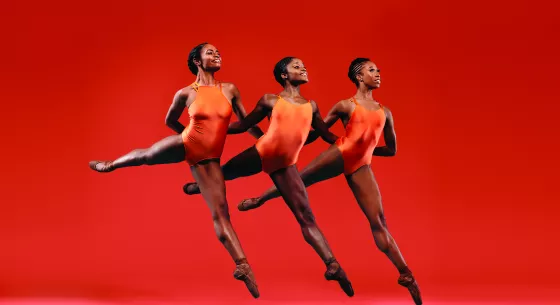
143,156
307,178
306,218
221,213
149,158
220,217
378,223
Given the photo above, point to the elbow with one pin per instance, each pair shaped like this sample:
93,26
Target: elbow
169,122
236,129
243,128
392,152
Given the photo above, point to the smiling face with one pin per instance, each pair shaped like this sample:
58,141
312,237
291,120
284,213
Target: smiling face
369,75
296,73
210,59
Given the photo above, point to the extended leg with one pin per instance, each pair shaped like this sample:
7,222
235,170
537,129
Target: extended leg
209,176
168,150
293,192
365,189
327,165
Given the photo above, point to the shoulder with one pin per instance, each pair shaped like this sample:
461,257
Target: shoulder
387,112
344,106
229,87
314,105
183,93
268,100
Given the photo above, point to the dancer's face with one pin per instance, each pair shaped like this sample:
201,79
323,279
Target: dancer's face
210,58
297,73
370,75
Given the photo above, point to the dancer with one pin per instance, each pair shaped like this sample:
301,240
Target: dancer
364,119
276,153
210,104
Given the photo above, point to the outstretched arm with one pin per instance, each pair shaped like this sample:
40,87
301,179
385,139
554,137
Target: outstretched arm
320,127
240,112
174,113
390,148
258,114
330,119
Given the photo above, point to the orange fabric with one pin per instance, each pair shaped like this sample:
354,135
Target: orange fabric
209,114
286,134
362,134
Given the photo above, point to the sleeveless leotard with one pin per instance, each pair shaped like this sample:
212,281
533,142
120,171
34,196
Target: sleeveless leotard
209,114
363,131
289,127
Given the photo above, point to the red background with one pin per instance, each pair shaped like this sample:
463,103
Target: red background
470,196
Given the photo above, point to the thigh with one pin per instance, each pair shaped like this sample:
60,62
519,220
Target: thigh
168,150
327,165
246,163
208,175
366,191
291,187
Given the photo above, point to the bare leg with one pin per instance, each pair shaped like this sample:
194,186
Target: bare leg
327,165
247,163
293,192
168,150
209,176
365,189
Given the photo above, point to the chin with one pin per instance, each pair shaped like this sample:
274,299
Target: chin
215,68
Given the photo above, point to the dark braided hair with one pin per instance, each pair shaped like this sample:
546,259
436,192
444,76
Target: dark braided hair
194,54
282,67
355,66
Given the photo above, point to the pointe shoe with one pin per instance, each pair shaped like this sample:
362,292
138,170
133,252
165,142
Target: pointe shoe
336,273
101,166
244,273
248,204
187,189
408,281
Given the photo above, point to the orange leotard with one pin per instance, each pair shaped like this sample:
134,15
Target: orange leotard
289,127
209,114
362,134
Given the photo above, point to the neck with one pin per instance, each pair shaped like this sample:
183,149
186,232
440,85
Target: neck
205,78
364,93
291,90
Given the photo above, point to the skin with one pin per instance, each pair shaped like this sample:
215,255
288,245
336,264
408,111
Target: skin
208,174
287,180
362,182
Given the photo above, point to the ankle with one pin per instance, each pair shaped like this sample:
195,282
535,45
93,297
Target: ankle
241,261
330,261
404,270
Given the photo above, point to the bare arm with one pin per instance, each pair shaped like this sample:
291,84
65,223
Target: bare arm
330,119
241,114
390,148
321,127
258,114
174,113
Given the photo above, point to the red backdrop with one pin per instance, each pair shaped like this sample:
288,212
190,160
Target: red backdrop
469,197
